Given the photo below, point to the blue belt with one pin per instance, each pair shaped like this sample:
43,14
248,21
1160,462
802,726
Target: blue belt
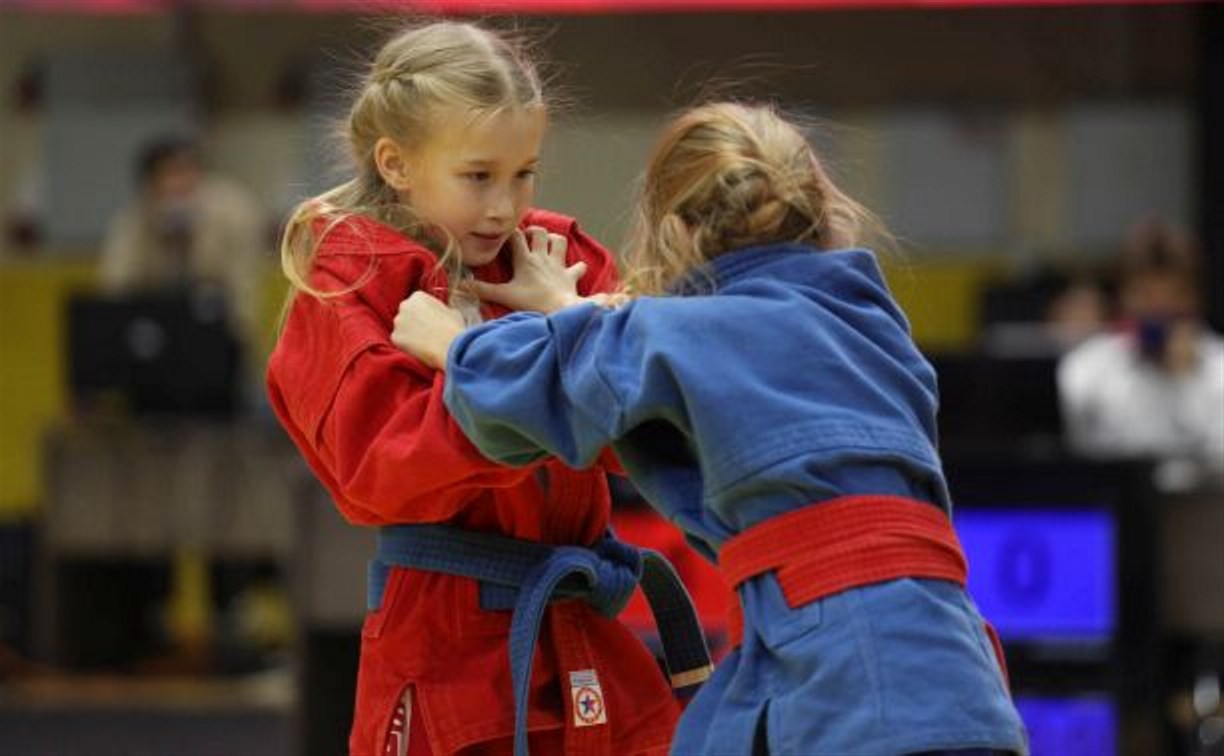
524,576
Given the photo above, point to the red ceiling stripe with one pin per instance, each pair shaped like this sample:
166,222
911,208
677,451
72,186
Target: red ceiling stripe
559,7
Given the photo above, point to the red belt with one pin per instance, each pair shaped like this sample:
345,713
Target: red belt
840,544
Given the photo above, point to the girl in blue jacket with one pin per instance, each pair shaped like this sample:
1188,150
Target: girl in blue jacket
762,391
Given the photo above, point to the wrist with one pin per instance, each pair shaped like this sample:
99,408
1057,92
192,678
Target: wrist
442,349
562,301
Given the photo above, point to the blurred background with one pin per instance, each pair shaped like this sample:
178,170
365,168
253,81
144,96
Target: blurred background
172,581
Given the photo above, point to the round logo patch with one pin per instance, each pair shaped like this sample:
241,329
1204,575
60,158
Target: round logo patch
588,705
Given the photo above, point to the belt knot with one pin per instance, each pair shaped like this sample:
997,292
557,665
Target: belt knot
617,572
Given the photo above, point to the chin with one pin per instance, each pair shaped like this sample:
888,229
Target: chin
479,259
476,258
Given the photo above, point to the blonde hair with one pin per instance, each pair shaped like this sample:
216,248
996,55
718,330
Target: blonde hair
727,175
421,69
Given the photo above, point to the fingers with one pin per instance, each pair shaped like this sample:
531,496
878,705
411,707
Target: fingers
518,248
486,292
557,247
577,270
539,240
419,304
421,299
544,243
610,300
425,327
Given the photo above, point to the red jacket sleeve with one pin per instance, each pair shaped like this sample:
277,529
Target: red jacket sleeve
369,418
393,447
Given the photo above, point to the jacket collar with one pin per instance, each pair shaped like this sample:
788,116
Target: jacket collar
745,263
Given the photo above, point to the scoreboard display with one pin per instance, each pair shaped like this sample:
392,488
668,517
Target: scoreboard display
1066,726
1043,575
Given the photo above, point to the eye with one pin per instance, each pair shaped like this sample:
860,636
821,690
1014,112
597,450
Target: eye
478,177
526,173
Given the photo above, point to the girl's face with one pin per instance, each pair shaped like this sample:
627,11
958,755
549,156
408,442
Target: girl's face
477,178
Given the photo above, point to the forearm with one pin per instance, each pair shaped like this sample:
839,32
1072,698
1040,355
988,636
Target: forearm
506,386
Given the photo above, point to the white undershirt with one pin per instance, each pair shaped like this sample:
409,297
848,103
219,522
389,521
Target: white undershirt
1117,404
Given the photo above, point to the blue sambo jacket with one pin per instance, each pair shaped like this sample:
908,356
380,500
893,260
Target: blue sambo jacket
778,378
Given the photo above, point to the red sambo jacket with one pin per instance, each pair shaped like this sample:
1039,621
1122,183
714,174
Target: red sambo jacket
371,423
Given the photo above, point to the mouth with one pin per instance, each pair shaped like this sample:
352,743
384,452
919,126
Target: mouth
487,244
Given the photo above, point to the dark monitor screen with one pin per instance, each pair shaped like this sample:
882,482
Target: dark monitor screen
995,401
1062,561
153,353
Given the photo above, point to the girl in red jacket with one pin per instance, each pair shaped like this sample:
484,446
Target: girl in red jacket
445,132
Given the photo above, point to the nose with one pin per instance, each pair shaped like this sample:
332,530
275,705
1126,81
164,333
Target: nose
501,205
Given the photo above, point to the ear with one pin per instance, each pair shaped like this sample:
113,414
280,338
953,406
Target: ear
392,162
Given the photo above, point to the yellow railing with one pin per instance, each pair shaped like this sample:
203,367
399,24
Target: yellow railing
939,296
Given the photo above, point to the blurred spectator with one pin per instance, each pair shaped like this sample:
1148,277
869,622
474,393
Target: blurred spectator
187,229
1154,386
1078,311
1044,313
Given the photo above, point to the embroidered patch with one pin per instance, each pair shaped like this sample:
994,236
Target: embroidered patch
587,698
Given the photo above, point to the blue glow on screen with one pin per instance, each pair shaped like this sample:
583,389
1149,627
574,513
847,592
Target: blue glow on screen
1071,726
1042,574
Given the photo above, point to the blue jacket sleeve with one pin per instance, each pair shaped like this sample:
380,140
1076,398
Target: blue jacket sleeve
526,386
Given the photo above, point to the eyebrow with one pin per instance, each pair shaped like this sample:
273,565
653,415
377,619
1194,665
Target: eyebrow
482,163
